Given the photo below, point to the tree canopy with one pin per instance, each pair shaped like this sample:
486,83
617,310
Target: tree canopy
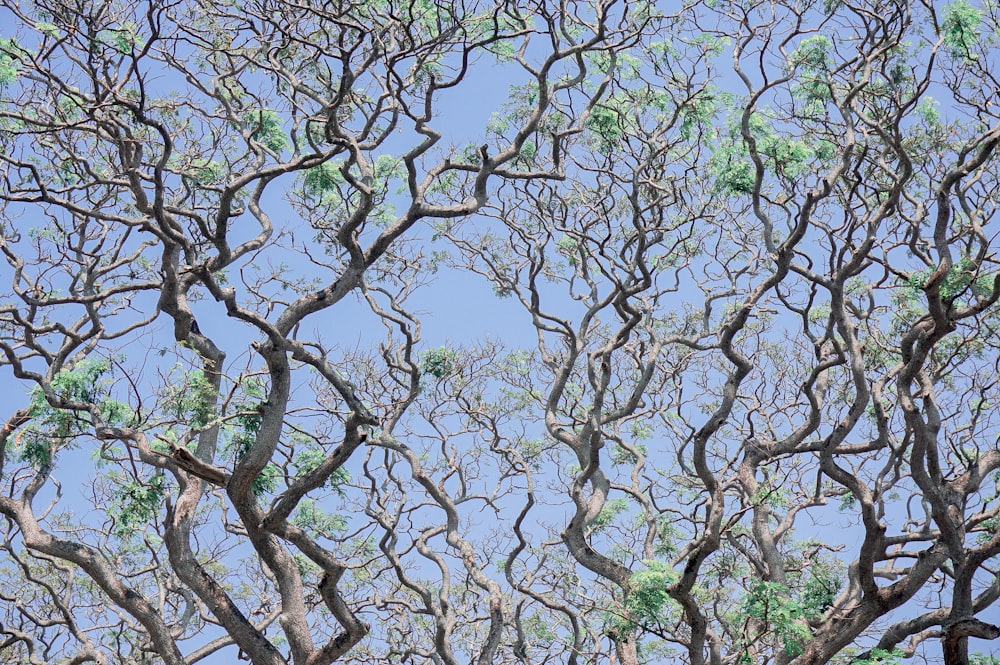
733,400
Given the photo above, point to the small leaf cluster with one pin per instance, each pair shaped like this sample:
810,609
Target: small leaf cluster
818,595
612,509
191,399
958,278
648,599
960,28
9,52
52,427
122,39
264,126
770,603
309,459
315,521
702,108
733,170
319,182
880,657
266,481
812,63
605,126
439,362
135,503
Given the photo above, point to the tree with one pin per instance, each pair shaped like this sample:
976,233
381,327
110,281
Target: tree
751,415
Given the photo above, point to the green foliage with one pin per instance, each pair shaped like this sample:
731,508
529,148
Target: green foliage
135,503
769,602
265,127
769,494
605,125
321,181
443,184
243,432
711,44
122,39
958,278
305,567
568,246
266,481
927,108
734,175
190,399
880,657
647,601
315,521
626,67
387,167
960,28
498,124
10,53
81,384
989,528
207,172
641,430
527,153
502,49
813,53
47,29
666,536
622,455
117,414
522,101
51,428
983,659
612,509
34,448
732,168
649,598
818,594
538,630
812,63
439,362
306,461
787,156
309,459
701,108
242,429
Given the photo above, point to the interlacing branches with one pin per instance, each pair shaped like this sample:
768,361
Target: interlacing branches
684,351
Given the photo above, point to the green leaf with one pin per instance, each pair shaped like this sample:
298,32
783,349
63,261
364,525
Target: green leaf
605,125
135,503
649,597
321,181
769,602
439,362
191,399
47,29
813,53
266,481
265,127
310,518
819,594
309,459
880,657
612,509
10,55
960,28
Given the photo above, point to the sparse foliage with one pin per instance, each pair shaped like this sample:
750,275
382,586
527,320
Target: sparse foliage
685,350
